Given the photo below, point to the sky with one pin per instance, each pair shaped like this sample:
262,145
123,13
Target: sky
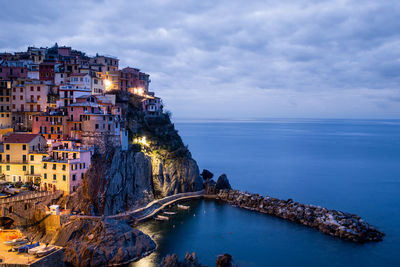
234,59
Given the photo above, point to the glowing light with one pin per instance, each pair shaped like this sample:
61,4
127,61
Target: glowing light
137,91
107,83
141,140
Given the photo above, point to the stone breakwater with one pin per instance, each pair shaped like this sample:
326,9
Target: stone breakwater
332,222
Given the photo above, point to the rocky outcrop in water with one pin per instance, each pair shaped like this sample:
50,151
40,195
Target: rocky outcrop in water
102,243
225,260
332,222
191,260
211,187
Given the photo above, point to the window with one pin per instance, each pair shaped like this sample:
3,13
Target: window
24,168
73,177
24,158
54,166
64,177
7,147
31,88
7,167
64,167
45,166
74,155
82,176
97,126
37,118
23,147
45,176
54,176
38,88
32,157
8,158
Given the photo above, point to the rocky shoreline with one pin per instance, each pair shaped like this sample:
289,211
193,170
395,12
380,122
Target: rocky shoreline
339,224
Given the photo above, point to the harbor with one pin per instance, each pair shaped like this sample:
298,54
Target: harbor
43,256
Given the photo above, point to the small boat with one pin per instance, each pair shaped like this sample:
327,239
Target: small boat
169,212
161,218
45,251
33,251
25,248
16,242
183,207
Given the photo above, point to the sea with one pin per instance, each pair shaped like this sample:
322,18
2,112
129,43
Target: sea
348,165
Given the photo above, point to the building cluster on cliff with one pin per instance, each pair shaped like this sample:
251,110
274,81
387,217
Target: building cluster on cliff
57,109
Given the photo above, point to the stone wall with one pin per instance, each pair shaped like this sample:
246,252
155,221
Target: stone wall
332,222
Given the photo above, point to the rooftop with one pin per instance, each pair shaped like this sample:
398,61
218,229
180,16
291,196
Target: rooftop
19,138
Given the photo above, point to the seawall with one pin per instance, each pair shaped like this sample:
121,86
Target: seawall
332,222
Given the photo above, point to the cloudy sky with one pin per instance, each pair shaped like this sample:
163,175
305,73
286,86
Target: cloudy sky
234,59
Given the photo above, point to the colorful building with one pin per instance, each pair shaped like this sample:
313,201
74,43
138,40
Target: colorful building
5,104
65,169
21,157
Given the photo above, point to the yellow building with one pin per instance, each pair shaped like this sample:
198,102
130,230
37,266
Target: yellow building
65,169
21,156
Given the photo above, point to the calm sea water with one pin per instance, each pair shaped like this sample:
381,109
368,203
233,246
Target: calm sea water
350,165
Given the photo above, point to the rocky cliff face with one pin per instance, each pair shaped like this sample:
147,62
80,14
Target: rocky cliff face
175,176
123,180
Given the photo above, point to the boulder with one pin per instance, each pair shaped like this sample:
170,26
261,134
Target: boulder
224,260
173,261
222,183
206,174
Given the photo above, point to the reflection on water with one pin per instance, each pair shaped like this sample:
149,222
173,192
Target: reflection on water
162,232
347,165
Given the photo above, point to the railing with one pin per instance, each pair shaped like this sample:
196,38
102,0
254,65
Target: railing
29,196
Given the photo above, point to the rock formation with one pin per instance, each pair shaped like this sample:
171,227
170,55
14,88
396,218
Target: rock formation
190,260
100,243
212,187
225,260
335,223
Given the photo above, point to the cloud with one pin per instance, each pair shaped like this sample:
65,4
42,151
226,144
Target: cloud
225,58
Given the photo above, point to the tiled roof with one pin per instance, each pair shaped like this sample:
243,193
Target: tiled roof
18,138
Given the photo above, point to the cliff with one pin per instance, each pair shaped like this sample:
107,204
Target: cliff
122,180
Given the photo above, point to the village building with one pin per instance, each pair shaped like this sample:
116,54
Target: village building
80,80
52,125
13,70
65,169
5,104
69,93
47,71
152,105
29,98
21,157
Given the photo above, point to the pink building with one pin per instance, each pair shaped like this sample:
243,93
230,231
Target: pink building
30,96
52,125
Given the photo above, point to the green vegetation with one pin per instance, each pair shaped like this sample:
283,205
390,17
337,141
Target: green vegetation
162,139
